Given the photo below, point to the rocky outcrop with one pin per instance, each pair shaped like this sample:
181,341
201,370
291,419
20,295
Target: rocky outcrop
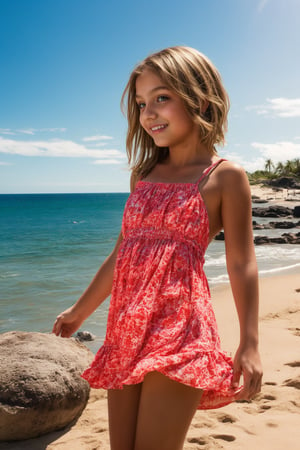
259,200
275,211
297,211
220,236
272,211
261,226
285,225
40,385
285,238
285,182
281,225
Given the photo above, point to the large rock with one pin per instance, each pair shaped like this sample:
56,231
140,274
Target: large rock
40,385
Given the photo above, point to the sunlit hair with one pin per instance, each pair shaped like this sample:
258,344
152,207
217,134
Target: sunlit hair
193,77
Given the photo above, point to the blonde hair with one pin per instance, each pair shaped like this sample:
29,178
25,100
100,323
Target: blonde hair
193,77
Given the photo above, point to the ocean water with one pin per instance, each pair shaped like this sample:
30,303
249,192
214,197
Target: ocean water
51,245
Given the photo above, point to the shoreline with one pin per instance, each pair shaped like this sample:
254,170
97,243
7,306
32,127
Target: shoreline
267,274
270,421
277,272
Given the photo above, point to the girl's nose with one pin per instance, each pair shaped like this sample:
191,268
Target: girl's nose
149,111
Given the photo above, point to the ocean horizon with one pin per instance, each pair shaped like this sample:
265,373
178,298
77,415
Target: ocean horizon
53,244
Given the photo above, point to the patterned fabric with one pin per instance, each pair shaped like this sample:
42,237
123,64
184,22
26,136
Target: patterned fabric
160,316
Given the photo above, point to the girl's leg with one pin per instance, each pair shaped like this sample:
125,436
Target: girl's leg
123,407
165,412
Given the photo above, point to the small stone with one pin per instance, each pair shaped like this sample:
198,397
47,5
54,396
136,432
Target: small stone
85,336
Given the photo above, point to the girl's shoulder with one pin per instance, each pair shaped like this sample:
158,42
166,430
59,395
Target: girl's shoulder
231,172
232,178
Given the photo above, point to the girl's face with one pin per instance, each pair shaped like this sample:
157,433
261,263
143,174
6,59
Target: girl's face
162,112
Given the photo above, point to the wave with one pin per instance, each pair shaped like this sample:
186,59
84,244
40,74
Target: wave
224,278
277,252
9,275
278,269
215,261
220,279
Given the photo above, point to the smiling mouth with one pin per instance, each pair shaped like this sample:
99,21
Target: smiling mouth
158,128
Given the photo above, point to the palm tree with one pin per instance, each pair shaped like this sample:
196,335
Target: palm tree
279,170
296,162
289,167
269,165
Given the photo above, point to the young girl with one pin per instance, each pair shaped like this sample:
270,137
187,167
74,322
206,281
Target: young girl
161,359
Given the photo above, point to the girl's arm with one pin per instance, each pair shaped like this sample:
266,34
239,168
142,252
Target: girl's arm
99,289
242,271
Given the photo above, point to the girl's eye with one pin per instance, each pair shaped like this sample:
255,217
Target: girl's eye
162,98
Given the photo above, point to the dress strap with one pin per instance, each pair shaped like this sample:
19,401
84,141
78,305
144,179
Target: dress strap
210,169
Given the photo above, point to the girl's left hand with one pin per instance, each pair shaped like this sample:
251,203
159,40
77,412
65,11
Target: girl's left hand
247,363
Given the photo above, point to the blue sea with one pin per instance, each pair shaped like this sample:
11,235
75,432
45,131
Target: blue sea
52,245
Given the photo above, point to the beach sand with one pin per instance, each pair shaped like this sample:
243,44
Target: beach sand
271,421
280,196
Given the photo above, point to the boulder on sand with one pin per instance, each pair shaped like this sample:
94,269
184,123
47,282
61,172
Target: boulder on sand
40,385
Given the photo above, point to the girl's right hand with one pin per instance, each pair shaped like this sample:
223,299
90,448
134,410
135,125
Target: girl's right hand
67,323
99,289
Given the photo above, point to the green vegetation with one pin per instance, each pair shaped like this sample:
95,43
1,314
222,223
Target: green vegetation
290,168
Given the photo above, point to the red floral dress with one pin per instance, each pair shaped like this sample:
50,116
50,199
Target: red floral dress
161,317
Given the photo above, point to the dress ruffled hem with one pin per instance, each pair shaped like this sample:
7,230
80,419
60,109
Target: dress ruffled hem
210,371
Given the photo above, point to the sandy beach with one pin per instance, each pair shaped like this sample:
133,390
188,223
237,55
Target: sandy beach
288,197
271,421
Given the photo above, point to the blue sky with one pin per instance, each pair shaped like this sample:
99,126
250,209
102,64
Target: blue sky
65,63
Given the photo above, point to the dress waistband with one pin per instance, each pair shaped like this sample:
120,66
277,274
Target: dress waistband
162,235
